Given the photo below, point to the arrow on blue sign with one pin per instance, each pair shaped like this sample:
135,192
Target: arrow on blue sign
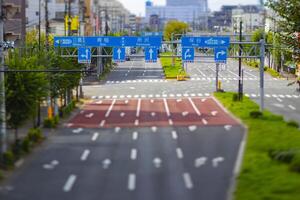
220,55
151,54
188,54
209,42
84,55
119,54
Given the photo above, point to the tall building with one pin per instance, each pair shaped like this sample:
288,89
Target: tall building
194,12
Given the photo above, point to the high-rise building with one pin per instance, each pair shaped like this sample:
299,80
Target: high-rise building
185,2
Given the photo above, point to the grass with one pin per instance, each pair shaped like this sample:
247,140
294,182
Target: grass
172,71
269,70
261,177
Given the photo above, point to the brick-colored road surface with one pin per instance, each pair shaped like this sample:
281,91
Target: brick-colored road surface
152,112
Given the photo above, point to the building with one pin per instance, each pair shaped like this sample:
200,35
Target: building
15,20
194,12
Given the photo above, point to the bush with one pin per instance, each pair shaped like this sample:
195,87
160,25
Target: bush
35,135
8,160
293,124
65,111
49,123
17,149
295,165
26,145
235,97
282,156
256,114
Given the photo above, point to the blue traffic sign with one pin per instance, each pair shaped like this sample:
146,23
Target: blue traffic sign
208,42
108,41
152,34
119,54
220,55
84,55
188,54
151,54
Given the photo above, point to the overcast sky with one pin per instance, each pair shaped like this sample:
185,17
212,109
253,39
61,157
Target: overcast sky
138,6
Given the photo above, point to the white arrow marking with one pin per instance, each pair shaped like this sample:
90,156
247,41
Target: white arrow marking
216,161
221,53
192,128
151,54
106,163
77,130
119,51
89,115
186,55
214,113
227,127
157,162
200,162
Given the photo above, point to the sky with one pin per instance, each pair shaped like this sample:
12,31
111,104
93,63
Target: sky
138,6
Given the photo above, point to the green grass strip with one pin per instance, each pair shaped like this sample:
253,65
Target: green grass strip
263,177
169,70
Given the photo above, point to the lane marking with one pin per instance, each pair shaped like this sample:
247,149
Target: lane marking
85,155
292,107
133,154
122,114
195,107
106,163
214,113
77,130
167,108
216,161
153,114
278,99
110,108
102,123
131,182
174,135
154,128
179,153
117,129
192,128
69,183
200,162
204,121
95,136
227,127
185,113
157,162
136,122
188,181
135,135
138,109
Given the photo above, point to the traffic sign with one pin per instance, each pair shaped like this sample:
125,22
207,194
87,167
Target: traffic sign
152,34
119,54
188,54
108,41
151,54
220,55
208,42
84,55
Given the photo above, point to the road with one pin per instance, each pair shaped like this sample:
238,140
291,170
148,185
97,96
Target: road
143,137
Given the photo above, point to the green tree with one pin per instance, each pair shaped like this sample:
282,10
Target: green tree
175,29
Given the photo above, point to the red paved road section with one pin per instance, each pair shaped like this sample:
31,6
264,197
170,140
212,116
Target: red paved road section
152,112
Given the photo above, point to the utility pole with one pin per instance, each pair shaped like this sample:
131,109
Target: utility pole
47,24
66,14
39,25
240,92
3,136
69,18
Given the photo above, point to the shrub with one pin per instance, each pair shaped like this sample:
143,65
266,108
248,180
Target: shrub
282,156
295,164
17,149
256,114
8,159
49,123
26,145
235,97
293,124
35,135
65,111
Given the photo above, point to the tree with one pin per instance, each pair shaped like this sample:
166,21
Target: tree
175,29
288,22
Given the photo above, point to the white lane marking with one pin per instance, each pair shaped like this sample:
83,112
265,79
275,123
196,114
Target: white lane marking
179,100
133,154
136,122
288,96
200,94
106,163
292,107
102,123
200,162
253,95
167,108
184,114
157,162
278,99
117,129
69,183
77,130
122,114
216,161
85,155
174,135
135,135
131,182
126,102
227,127
95,136
99,102
138,109
192,128
214,113
179,153
171,122
110,108
195,107
154,128
152,100
268,96
48,166
274,95
153,114
54,162
281,96
188,181
204,121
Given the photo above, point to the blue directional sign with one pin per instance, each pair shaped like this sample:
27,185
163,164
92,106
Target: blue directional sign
220,55
108,41
119,54
188,54
84,55
152,34
151,54
69,41
208,42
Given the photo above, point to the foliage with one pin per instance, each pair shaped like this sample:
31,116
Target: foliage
169,70
261,177
65,111
35,135
288,21
175,29
52,122
8,160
